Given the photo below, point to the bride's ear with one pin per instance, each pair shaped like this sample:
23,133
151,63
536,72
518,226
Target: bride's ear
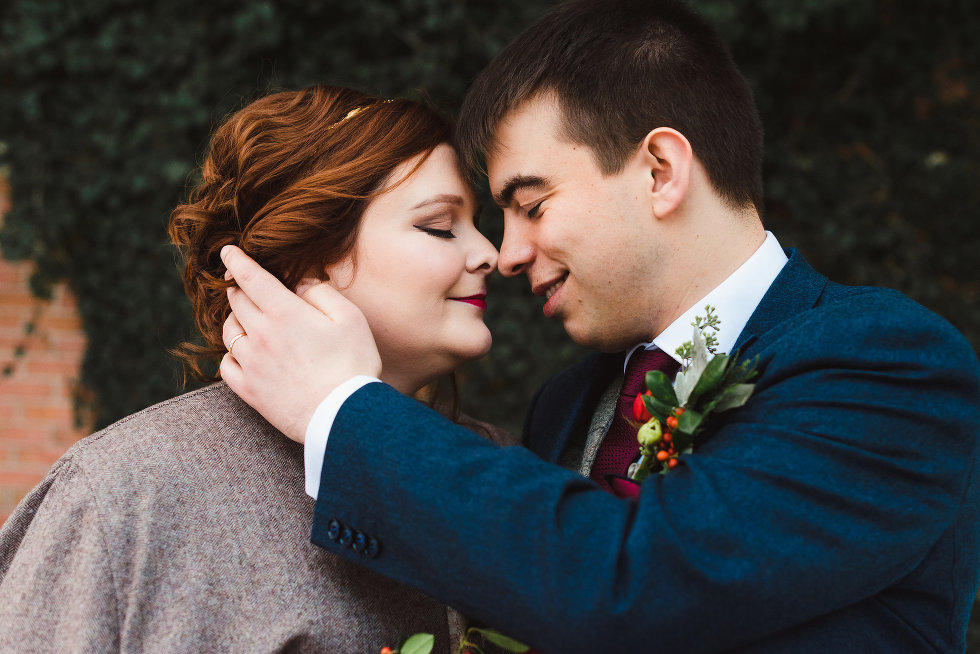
339,275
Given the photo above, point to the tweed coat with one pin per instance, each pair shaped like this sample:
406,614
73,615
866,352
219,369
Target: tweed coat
185,528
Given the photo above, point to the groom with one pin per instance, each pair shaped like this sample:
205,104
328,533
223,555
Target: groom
836,510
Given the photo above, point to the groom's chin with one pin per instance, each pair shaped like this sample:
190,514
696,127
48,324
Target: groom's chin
602,342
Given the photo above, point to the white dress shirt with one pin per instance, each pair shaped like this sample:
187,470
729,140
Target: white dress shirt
734,301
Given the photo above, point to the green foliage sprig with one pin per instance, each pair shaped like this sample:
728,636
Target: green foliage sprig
423,643
677,411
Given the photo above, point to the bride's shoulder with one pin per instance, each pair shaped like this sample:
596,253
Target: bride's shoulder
182,438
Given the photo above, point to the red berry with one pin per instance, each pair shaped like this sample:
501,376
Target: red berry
640,409
672,463
668,437
671,422
678,411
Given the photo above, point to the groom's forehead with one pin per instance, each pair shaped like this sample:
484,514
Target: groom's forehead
523,140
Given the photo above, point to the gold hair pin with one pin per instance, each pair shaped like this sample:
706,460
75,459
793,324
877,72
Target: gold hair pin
353,112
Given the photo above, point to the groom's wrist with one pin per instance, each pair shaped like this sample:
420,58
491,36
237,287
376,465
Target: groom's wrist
318,429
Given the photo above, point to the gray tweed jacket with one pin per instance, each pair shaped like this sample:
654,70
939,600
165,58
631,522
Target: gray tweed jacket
185,528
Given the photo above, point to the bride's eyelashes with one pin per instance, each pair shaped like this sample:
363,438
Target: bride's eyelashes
439,233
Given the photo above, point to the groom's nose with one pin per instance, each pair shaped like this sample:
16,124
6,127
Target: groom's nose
516,250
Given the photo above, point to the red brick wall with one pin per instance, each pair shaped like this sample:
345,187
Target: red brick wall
37,422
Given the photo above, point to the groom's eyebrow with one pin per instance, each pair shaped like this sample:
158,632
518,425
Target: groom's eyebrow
516,183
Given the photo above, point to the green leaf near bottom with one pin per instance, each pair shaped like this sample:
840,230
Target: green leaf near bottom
418,644
501,640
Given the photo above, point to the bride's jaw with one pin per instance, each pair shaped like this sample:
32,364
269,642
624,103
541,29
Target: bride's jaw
410,372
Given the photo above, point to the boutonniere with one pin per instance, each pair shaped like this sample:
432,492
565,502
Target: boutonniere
423,643
673,415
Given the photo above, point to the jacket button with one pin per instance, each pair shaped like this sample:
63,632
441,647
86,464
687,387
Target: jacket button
373,548
333,530
360,542
346,536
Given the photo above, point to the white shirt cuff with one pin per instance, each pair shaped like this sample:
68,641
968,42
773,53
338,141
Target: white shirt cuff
319,428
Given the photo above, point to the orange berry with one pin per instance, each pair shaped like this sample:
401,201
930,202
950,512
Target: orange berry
668,437
678,411
662,456
672,463
671,422
386,650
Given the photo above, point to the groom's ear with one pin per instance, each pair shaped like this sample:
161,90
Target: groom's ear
667,155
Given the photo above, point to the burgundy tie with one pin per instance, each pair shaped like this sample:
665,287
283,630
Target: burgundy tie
619,448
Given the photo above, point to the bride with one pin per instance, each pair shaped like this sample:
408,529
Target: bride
180,528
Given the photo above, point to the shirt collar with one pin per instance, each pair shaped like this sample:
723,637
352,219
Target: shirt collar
734,300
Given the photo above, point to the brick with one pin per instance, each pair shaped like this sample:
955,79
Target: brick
73,347
58,366
30,434
14,479
49,413
12,322
18,299
69,323
14,274
25,389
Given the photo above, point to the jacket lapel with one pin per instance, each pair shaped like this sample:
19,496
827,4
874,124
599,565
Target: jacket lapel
797,288
564,406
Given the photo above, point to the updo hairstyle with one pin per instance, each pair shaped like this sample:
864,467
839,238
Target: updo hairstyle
287,179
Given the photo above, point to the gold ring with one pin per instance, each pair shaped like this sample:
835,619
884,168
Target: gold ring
231,346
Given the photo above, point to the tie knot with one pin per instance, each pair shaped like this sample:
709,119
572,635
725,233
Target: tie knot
640,363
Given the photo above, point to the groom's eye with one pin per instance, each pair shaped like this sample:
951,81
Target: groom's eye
439,233
533,211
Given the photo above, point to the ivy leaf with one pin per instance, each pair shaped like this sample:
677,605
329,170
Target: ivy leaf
501,640
661,388
418,644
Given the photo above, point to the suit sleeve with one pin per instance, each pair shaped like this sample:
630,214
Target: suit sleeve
56,587
853,456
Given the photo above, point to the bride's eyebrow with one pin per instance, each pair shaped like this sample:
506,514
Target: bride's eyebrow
445,198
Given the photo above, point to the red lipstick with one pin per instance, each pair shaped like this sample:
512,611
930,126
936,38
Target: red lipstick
479,301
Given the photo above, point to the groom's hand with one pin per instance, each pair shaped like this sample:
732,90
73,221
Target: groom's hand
296,349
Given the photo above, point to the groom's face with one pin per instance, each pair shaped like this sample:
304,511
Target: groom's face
586,241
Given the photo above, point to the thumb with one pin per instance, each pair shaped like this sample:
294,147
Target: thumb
323,297
306,284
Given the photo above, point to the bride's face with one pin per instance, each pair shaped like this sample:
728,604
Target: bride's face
420,272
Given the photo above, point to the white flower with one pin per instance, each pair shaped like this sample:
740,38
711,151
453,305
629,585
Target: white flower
688,378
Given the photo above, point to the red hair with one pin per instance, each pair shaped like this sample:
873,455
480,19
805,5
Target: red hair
287,179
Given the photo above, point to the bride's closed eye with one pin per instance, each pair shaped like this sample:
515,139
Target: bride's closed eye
439,233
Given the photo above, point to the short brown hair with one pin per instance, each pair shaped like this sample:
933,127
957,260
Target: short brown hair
620,68
287,179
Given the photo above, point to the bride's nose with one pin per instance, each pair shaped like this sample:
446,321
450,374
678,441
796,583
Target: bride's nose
482,257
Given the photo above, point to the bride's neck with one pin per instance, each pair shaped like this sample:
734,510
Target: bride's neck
406,384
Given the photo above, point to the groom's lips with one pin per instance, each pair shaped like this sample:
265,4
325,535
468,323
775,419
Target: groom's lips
479,301
551,305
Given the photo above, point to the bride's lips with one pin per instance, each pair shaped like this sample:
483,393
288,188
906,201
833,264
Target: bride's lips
479,301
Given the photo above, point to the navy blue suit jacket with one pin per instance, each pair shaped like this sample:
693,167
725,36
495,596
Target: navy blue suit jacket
837,510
